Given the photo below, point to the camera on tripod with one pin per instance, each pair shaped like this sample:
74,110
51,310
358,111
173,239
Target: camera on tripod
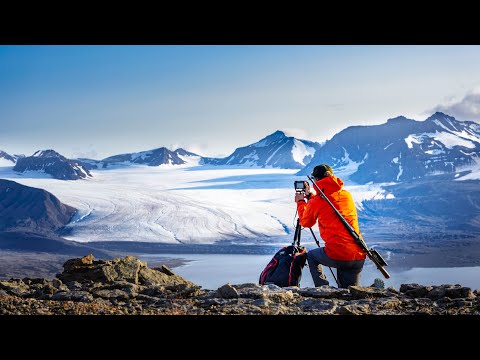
299,186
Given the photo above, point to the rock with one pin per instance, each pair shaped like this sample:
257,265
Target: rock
128,286
147,298
386,303
57,283
14,287
450,291
78,296
324,291
112,294
131,289
246,286
271,292
149,276
87,260
155,290
128,269
184,290
73,285
213,302
353,309
436,292
227,291
324,306
63,287
294,289
415,290
262,303
393,290
29,281
166,270
49,289
363,292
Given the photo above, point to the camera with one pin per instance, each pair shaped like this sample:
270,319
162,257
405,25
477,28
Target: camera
299,186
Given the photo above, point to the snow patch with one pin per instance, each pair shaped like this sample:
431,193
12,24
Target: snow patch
439,123
348,166
450,140
400,172
415,139
300,151
466,135
142,155
361,193
5,162
271,156
434,152
190,160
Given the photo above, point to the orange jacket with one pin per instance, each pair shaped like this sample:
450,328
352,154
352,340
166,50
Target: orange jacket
339,244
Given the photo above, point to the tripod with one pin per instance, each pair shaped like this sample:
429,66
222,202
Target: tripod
296,238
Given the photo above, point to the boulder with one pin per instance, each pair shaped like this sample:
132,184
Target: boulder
227,291
450,291
128,269
415,290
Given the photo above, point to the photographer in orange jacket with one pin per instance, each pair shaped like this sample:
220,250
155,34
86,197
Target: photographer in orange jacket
340,250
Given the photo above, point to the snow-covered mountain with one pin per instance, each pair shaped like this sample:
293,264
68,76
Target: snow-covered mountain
7,159
402,149
155,157
276,150
52,163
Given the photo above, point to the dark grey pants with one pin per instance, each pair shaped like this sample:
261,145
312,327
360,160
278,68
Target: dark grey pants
348,272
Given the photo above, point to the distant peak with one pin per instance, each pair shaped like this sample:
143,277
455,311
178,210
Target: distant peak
278,133
398,119
267,140
440,115
46,153
4,155
163,148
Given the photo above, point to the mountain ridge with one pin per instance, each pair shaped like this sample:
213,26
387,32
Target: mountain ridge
275,150
401,149
52,163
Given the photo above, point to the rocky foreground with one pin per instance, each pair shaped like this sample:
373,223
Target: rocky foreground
128,286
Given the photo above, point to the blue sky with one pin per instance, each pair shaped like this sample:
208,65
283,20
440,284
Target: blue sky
97,101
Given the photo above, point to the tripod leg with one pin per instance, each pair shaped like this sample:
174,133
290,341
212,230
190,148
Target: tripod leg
298,230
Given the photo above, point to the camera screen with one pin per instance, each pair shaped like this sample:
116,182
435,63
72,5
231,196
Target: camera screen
299,185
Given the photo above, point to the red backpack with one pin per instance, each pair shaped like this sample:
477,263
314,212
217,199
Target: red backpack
285,268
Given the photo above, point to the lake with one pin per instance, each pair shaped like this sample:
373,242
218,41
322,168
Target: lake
214,270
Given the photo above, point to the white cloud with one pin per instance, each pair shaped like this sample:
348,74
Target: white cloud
199,149
295,132
467,108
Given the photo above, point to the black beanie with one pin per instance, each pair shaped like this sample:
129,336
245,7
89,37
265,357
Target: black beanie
320,171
